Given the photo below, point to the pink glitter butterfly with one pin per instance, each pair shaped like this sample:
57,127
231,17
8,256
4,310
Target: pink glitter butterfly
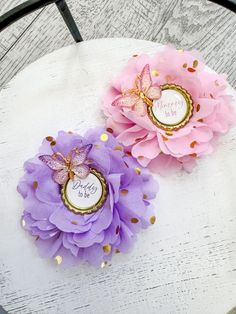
75,164
141,95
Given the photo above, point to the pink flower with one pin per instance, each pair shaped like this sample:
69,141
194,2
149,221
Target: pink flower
163,151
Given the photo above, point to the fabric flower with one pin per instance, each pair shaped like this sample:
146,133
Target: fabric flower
71,238
154,147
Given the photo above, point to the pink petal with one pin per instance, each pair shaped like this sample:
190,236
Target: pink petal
126,100
52,163
81,171
79,158
153,92
145,78
140,107
60,176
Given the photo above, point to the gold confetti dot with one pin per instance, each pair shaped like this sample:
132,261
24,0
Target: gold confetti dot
198,107
152,220
164,138
35,185
49,138
193,155
103,264
137,170
118,148
22,222
140,157
58,259
117,251
74,222
134,220
53,143
106,248
104,137
155,73
97,146
195,63
110,130
124,192
185,65
193,144
145,197
169,133
191,70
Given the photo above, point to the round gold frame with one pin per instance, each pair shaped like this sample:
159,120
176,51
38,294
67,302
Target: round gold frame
87,210
184,121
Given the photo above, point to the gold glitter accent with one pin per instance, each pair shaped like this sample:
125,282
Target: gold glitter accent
53,143
193,144
152,220
198,107
134,220
185,65
137,170
110,130
191,70
103,264
140,157
195,63
117,251
164,138
97,146
155,73
74,222
193,155
181,50
168,78
104,137
49,138
118,148
145,196
35,185
169,133
106,248
23,223
124,192
58,259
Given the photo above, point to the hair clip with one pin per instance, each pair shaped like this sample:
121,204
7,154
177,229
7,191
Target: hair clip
167,110
85,198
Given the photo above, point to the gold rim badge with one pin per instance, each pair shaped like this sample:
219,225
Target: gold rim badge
173,110
76,193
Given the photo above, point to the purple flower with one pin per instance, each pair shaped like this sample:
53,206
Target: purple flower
69,237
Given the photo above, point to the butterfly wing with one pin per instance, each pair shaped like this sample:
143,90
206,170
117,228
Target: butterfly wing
53,163
60,176
140,107
145,78
128,100
78,158
153,92
81,171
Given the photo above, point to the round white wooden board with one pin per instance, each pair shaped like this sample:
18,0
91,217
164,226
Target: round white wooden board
185,263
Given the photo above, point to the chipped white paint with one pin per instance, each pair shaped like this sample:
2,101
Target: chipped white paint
183,264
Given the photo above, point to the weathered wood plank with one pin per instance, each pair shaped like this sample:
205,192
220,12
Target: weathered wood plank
193,24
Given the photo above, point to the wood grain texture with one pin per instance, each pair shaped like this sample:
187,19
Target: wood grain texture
188,24
184,264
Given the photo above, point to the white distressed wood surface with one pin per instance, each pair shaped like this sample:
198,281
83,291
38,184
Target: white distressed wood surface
185,263
188,24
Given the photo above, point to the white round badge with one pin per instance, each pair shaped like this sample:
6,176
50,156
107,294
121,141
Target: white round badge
84,196
173,109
